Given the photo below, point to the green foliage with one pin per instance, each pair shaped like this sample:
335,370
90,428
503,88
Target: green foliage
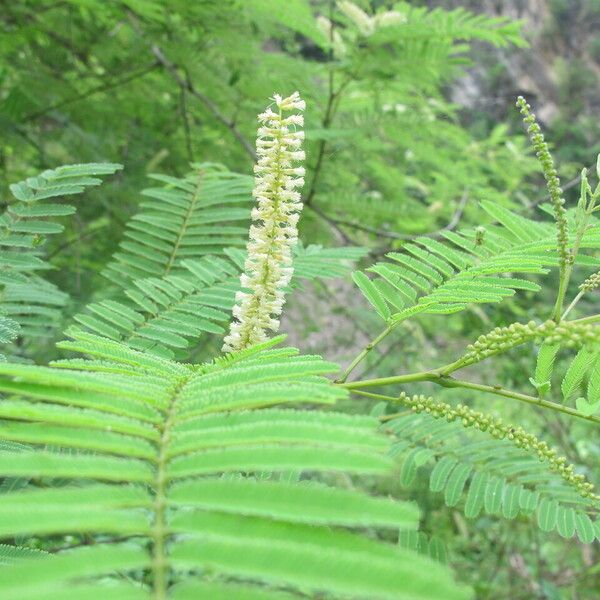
188,217
580,365
581,380
431,276
544,365
32,305
146,465
490,476
160,473
160,315
12,554
185,82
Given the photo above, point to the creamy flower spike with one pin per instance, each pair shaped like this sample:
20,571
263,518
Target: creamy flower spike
268,268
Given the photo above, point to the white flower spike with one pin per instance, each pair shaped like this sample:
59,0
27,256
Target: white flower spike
268,268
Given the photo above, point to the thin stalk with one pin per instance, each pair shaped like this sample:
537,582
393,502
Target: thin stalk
391,417
404,315
375,396
383,418
381,381
432,375
362,355
563,283
186,221
565,275
572,305
500,391
590,319
439,378
329,112
160,531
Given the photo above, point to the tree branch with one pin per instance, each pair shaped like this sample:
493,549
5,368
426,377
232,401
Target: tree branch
187,84
452,224
327,117
342,236
95,90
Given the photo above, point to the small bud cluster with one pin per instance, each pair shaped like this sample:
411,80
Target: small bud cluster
496,428
552,181
501,339
268,267
567,333
591,283
571,334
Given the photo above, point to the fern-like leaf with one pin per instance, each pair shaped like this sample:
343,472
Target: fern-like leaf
577,371
175,469
490,475
31,306
544,366
435,277
189,217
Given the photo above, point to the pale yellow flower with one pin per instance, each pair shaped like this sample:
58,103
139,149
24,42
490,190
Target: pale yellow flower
268,268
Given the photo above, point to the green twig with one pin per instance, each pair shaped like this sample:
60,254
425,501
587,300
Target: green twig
590,319
440,378
382,381
362,355
506,393
572,305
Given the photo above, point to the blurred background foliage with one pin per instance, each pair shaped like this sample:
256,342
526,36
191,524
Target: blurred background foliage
410,123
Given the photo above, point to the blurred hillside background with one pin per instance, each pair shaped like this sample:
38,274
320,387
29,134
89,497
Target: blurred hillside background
410,123
559,73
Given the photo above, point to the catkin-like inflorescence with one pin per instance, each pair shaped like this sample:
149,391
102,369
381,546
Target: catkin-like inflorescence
591,283
367,25
497,429
552,181
361,19
567,333
268,268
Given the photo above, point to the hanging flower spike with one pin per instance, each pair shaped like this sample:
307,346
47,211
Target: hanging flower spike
268,268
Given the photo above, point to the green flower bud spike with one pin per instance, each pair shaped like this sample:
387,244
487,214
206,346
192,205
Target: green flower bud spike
498,430
552,181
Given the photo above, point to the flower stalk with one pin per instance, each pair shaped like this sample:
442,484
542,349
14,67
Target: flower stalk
268,268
